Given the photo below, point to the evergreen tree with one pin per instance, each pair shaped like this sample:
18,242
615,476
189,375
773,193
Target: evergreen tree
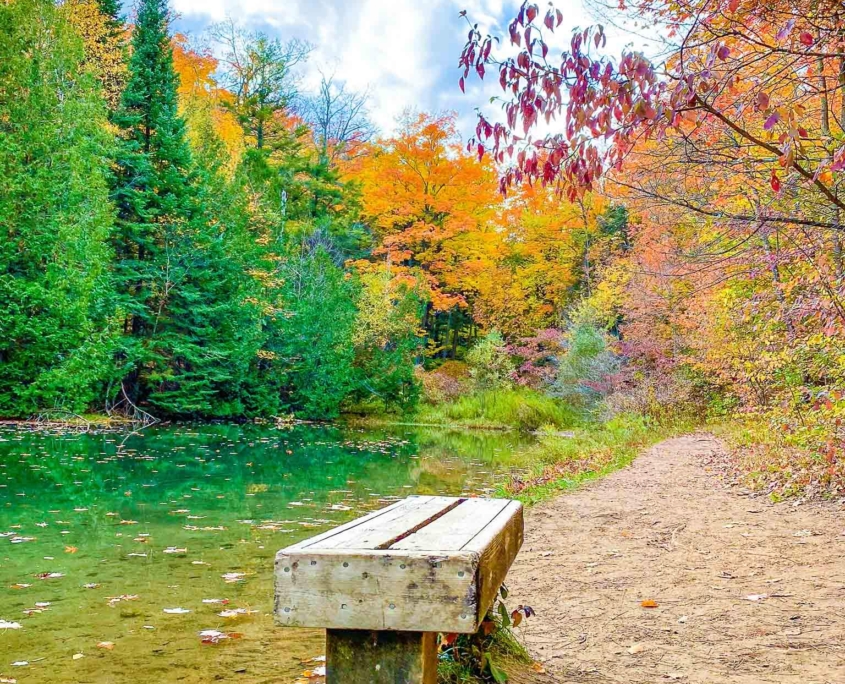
111,9
55,342
176,285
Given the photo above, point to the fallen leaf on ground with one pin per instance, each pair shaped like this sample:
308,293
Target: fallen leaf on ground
636,648
648,603
756,597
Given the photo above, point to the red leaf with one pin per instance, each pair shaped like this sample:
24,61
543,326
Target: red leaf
775,181
733,5
806,38
461,84
762,100
549,21
531,13
723,52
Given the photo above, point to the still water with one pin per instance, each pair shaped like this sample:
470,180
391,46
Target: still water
148,557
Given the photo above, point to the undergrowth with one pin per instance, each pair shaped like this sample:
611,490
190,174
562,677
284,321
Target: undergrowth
486,655
784,455
517,408
592,450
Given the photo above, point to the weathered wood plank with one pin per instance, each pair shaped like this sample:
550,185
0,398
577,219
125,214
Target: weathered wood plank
497,546
382,529
364,519
362,657
455,529
377,590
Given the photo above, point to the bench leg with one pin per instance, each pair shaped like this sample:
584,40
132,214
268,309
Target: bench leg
363,657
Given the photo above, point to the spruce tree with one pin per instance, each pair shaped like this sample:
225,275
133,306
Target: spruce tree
175,283
55,218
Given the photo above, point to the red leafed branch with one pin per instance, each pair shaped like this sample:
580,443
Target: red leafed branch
756,69
600,107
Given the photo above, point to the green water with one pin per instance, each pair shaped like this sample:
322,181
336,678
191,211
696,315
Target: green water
100,533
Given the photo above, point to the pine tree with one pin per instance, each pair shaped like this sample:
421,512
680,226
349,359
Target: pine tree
177,287
111,9
55,340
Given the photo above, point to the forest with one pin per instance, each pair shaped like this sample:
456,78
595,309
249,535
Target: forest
190,234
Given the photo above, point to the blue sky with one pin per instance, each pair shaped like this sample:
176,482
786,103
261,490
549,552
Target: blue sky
404,51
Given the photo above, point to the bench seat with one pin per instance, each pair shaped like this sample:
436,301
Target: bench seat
423,564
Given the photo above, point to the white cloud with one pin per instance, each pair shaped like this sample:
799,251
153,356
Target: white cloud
405,51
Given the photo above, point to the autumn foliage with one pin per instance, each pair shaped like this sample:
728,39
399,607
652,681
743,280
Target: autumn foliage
728,151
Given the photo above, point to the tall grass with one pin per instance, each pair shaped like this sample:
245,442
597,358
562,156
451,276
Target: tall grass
521,408
594,449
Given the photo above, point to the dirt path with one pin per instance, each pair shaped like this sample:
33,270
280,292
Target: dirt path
747,592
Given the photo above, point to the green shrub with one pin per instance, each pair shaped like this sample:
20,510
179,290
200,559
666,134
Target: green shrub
490,363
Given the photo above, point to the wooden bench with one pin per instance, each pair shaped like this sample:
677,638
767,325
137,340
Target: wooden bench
385,584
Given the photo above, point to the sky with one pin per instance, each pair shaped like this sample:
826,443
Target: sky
404,51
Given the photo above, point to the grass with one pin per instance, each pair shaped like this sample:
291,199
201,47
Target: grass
520,409
558,464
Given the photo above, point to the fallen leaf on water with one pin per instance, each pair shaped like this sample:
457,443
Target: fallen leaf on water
20,663
107,645
8,680
20,585
114,600
78,656
91,585
71,549
648,603
213,636
231,577
236,612
5,624
176,611
50,575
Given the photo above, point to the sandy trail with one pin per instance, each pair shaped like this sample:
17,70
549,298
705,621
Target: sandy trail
747,591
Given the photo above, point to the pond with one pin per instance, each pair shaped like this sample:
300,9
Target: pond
117,550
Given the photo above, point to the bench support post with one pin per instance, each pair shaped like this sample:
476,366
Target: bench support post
365,657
